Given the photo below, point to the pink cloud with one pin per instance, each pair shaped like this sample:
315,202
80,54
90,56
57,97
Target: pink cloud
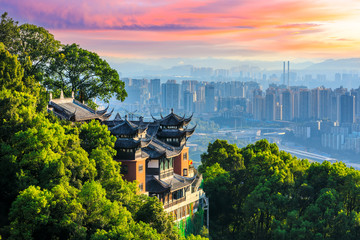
193,27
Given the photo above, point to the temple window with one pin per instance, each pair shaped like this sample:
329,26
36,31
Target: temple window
185,157
171,162
141,167
185,172
162,165
141,187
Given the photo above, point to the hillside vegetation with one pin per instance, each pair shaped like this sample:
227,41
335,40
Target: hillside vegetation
58,180
259,192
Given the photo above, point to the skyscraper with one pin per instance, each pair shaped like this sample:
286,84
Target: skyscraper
209,98
270,106
304,105
287,99
347,109
154,87
170,95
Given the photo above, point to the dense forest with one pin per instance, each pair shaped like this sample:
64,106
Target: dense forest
259,192
58,179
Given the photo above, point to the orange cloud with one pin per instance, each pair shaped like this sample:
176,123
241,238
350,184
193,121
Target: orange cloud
202,28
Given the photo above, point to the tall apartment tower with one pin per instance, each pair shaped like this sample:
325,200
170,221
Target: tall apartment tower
258,106
347,109
287,99
270,107
189,99
154,87
170,95
304,104
209,98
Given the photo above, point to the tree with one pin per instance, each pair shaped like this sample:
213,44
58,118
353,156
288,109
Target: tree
85,73
149,210
9,31
35,48
29,213
227,155
277,196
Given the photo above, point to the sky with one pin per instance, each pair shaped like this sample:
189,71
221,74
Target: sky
229,29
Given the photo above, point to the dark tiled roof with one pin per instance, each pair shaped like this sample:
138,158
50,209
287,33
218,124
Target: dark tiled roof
190,131
173,120
170,133
175,133
176,182
153,153
125,128
172,183
127,143
154,186
71,109
153,129
162,147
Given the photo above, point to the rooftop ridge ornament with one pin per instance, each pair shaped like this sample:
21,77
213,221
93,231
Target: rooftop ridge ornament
117,117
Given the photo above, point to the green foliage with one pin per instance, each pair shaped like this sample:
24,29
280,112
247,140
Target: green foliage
8,30
30,213
85,73
94,135
276,196
225,154
35,48
149,210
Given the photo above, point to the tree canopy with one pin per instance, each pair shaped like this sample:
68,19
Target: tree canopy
60,67
85,73
273,195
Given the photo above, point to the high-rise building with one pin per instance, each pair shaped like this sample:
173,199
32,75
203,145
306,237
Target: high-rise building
270,106
154,87
209,98
347,109
189,98
287,100
304,104
170,95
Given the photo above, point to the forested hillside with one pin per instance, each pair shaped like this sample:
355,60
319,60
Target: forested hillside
58,180
259,192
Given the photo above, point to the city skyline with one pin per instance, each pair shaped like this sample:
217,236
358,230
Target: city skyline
240,30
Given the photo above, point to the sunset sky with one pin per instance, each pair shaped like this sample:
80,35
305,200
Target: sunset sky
235,29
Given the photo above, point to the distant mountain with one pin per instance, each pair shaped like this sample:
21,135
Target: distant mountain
168,67
338,65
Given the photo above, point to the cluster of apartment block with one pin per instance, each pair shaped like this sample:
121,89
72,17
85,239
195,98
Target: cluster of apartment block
300,104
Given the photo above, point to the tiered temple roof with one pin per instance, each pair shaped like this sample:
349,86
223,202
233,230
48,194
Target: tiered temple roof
128,128
173,120
150,140
73,110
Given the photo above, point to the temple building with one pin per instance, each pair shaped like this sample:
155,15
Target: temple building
152,153
156,156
